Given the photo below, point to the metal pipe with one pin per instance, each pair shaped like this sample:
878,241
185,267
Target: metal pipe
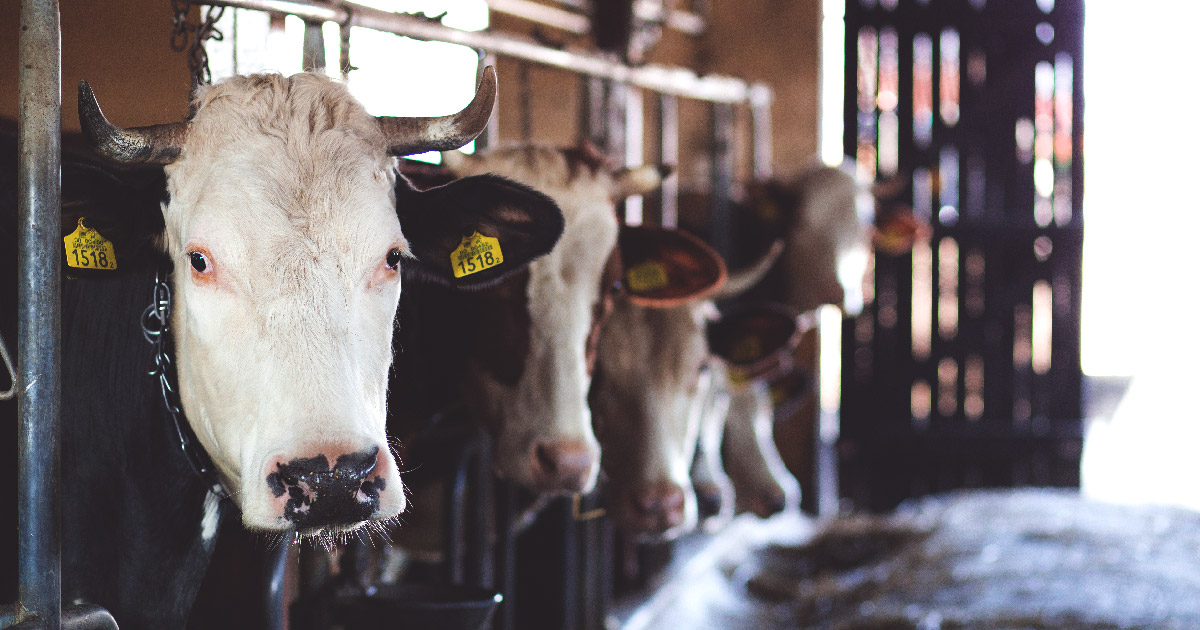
543,14
760,130
273,587
39,147
678,81
668,107
720,222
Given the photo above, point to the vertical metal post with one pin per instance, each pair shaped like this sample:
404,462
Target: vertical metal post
721,223
634,140
39,131
760,130
668,106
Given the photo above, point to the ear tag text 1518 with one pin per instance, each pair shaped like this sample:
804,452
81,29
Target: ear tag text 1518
476,253
647,276
88,249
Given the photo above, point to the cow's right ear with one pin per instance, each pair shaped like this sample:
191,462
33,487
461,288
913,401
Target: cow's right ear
665,267
475,231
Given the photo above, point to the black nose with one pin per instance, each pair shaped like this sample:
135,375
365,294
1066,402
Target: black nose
321,495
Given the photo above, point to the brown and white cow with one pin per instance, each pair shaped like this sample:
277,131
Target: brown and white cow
654,378
524,348
281,239
830,226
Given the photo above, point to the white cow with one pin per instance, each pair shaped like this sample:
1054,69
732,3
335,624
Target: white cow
288,228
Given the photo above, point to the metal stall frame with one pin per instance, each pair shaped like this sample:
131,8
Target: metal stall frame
39,143
37,377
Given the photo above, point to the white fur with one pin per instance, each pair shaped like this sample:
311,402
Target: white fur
652,399
827,247
287,184
748,450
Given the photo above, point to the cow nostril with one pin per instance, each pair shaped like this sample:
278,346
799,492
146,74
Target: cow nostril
545,459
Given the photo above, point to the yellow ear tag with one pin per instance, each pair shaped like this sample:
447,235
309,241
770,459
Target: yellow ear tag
476,253
87,249
647,276
747,349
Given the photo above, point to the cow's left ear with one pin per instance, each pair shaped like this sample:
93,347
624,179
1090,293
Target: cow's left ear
665,267
755,340
639,180
474,231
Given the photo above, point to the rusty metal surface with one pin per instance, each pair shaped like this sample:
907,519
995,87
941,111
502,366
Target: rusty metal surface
1028,559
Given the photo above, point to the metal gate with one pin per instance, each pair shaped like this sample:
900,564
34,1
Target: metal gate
963,371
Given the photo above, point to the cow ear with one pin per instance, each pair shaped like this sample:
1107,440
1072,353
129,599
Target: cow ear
897,229
755,340
639,180
665,267
475,231
124,207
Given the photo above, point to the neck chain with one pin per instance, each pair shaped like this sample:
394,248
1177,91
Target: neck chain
156,326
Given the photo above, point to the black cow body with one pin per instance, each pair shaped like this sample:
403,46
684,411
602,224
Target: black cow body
131,503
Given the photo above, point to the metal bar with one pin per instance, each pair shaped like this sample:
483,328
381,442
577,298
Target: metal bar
39,191
633,113
721,225
760,130
682,21
573,22
543,14
313,59
275,605
668,106
678,81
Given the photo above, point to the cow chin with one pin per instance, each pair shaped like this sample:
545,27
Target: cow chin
327,491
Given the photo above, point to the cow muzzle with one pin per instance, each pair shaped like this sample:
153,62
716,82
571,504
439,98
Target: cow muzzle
566,466
310,493
655,511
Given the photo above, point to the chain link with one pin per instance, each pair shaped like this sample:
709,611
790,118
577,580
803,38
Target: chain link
156,324
191,37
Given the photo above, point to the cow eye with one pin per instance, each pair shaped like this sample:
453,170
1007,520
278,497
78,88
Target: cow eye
393,259
199,262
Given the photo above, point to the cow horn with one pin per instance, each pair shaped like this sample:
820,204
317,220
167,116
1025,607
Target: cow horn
740,281
409,135
155,144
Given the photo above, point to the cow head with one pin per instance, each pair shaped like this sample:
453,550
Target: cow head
831,228
650,377
534,383
655,374
287,228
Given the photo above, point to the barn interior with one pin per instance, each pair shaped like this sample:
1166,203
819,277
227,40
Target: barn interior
985,426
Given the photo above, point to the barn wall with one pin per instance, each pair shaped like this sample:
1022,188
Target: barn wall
121,48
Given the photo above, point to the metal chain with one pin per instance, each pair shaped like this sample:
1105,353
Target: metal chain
191,37
156,324
12,374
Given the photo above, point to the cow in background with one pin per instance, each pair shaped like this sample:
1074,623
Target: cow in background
831,224
736,458
268,265
520,353
654,375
